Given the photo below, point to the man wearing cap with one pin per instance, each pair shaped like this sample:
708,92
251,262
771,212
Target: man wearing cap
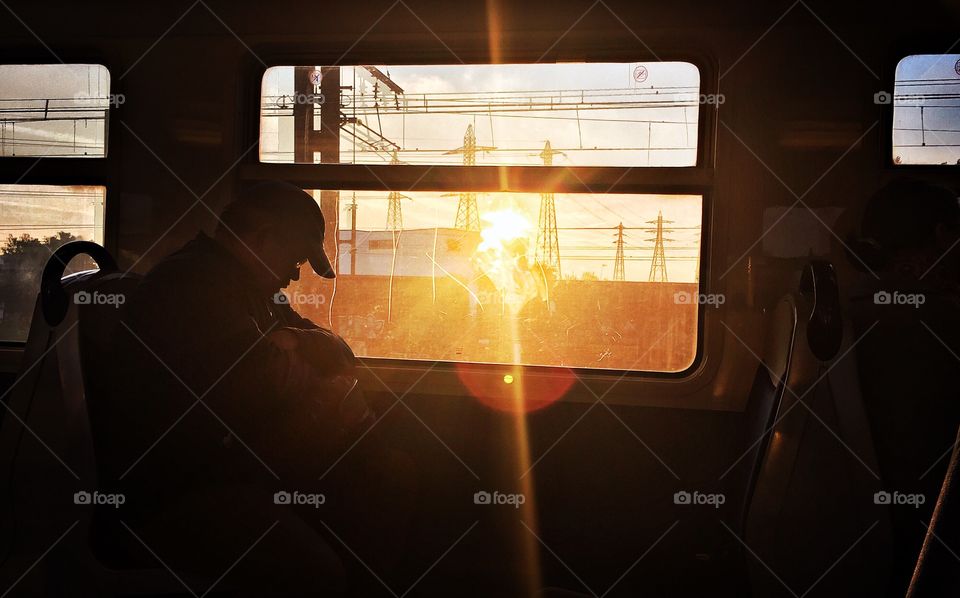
233,397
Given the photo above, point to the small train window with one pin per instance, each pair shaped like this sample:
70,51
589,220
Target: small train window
598,114
605,281
34,221
926,110
54,110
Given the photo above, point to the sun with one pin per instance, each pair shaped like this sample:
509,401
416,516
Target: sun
502,228
505,256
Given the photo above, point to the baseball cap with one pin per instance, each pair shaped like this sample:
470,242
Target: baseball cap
296,212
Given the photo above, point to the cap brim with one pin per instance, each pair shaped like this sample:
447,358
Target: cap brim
321,264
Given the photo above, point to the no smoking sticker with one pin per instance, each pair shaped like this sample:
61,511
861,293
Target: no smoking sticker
640,73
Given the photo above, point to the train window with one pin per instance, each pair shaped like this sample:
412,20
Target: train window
528,278
54,110
34,221
599,114
926,110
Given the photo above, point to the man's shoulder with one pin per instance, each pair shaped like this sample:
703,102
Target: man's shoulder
189,275
198,261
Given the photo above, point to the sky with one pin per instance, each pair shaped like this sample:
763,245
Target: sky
936,138
67,93
45,210
580,107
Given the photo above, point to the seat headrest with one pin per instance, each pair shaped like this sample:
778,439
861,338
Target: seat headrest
53,297
818,282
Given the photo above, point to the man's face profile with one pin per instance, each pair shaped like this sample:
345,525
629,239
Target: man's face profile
276,259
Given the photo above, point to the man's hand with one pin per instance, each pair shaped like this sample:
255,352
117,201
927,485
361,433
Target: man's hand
324,351
323,367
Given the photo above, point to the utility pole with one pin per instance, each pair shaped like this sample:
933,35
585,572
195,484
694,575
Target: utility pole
658,266
353,234
618,261
548,243
310,85
394,215
468,216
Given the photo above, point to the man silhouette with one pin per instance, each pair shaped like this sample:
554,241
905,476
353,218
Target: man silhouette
244,400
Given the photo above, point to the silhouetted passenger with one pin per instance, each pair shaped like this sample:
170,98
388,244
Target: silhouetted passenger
909,369
234,407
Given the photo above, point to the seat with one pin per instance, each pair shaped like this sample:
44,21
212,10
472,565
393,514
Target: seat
908,372
937,572
814,490
763,404
46,438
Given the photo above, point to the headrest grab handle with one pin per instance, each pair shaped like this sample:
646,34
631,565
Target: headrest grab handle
825,326
53,298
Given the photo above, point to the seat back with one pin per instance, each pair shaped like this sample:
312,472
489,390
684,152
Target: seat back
63,409
938,571
766,395
49,489
909,372
813,501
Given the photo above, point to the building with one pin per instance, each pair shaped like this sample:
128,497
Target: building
415,250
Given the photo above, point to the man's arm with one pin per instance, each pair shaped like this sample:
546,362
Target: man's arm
290,318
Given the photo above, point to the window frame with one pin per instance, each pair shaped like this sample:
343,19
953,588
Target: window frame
673,389
107,110
99,171
929,43
889,117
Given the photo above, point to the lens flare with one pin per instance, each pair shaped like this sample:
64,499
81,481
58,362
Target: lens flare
504,256
531,393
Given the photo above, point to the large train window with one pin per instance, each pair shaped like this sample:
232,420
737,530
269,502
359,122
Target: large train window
534,214
34,221
926,110
54,110
598,114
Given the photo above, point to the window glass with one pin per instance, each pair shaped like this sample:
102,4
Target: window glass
34,221
926,110
578,280
54,110
598,114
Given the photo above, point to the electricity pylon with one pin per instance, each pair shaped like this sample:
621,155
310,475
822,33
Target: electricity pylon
658,266
468,216
548,243
394,214
618,261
